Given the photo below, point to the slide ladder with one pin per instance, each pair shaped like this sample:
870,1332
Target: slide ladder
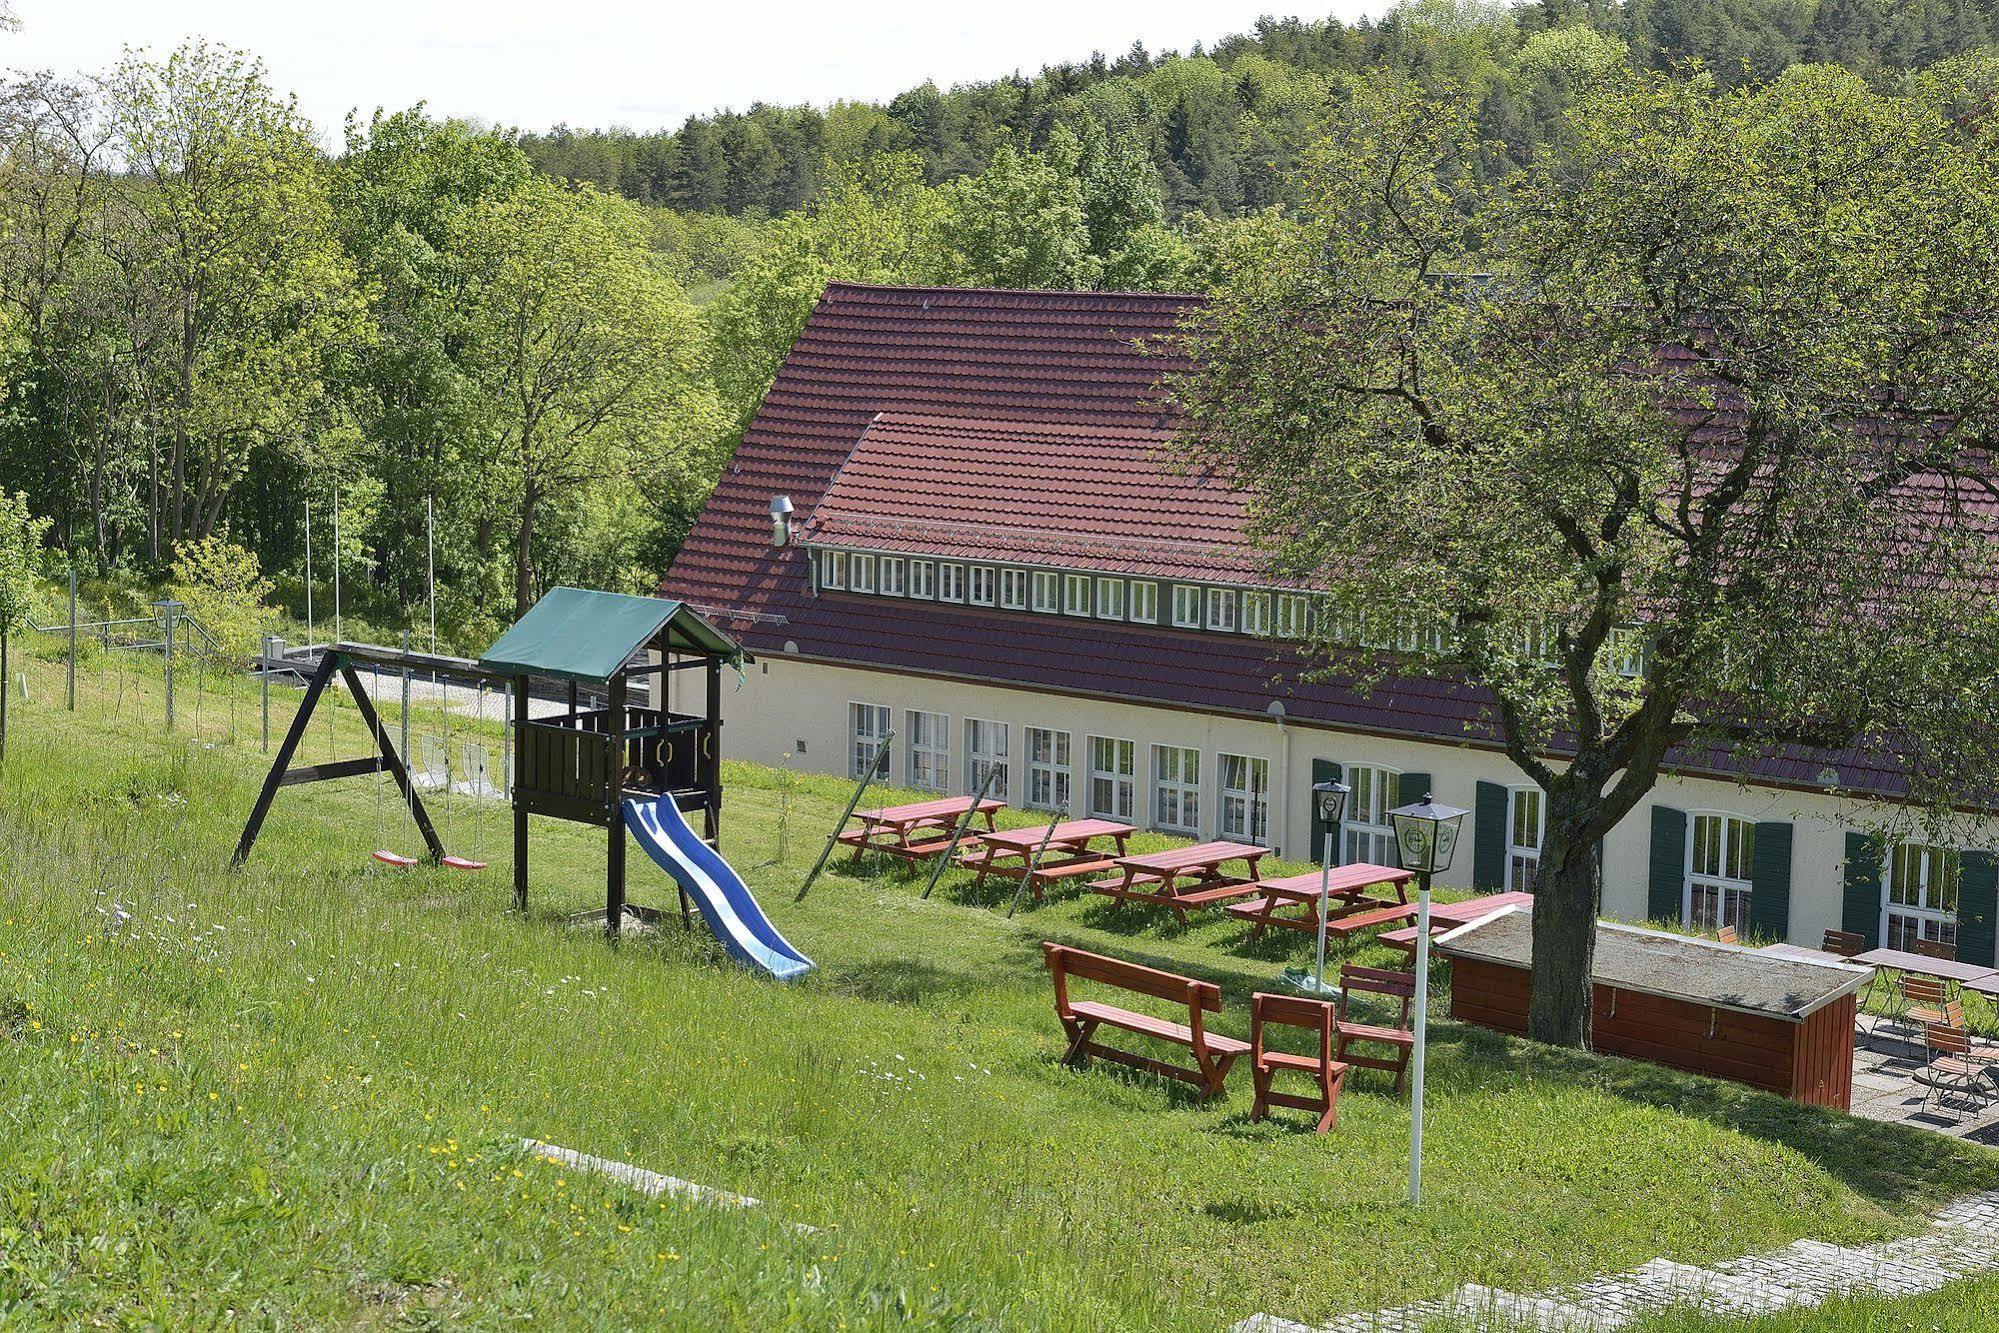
725,901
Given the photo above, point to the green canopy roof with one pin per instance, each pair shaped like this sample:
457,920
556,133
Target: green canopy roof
575,634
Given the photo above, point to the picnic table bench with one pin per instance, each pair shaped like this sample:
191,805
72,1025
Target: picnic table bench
1449,916
900,830
1213,1053
1346,892
1063,848
1156,876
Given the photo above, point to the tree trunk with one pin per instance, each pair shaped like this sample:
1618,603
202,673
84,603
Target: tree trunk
524,554
1567,887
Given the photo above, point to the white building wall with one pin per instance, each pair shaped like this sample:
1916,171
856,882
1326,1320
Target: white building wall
790,706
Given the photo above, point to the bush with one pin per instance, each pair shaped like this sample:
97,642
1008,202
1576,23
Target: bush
222,587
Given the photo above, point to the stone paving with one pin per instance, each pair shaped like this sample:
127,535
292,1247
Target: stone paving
1884,1088
1963,1241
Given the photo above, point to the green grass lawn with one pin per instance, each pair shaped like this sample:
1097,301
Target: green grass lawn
291,1093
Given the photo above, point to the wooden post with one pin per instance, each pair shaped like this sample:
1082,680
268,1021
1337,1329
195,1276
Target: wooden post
876,765
614,792
520,811
713,799
275,778
958,833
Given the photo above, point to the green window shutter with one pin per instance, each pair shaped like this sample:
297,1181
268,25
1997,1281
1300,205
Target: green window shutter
1411,788
1324,770
1488,837
1667,884
1770,881
1861,911
1977,910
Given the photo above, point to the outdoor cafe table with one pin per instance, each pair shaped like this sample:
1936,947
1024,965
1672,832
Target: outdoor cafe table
1183,877
1971,976
1346,891
896,829
1063,851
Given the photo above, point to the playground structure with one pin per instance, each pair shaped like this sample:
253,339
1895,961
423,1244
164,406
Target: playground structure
619,765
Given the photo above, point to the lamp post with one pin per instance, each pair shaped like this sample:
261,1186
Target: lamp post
1426,836
1329,802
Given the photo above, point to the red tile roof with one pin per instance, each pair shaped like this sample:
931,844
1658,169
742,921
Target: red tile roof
1100,495
941,404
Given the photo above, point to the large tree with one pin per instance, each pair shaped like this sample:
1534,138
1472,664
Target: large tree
1678,445
589,358
237,286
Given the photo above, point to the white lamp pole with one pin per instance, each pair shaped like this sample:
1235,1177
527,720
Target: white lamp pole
1329,801
1426,836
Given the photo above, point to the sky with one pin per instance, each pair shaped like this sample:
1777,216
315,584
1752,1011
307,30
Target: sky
639,63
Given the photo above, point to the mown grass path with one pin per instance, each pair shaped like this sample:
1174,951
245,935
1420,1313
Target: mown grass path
294,1093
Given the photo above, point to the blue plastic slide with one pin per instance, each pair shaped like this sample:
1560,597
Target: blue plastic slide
724,900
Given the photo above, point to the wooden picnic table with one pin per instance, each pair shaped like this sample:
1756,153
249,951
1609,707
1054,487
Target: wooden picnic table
1156,877
1346,890
896,829
1063,848
1449,916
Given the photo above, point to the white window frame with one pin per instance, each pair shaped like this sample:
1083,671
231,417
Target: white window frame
1934,878
1186,606
1256,614
983,585
1048,769
1525,805
866,725
1294,616
1242,785
863,572
927,750
1720,868
950,581
1075,594
1365,833
1176,791
1110,599
1222,610
1013,589
1047,591
1142,602
1113,792
986,748
833,570
923,579
892,568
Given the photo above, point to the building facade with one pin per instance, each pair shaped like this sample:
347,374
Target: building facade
994,550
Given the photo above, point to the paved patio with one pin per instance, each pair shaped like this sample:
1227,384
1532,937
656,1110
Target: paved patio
1884,1088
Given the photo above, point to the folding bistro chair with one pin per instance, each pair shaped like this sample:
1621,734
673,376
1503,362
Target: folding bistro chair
1845,943
1951,1076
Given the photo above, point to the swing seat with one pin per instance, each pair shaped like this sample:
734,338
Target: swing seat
396,859
461,863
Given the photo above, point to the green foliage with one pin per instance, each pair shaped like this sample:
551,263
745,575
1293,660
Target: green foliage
20,559
223,588
228,244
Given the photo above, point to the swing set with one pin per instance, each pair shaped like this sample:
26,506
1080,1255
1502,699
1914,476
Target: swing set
579,765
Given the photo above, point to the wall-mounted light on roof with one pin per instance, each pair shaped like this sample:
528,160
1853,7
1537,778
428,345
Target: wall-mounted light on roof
780,521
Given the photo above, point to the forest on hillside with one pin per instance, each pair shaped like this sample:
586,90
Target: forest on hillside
1222,125
552,343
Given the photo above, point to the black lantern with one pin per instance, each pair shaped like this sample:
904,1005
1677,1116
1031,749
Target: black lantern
1426,835
1329,799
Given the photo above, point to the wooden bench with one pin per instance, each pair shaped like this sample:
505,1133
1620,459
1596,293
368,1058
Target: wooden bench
1399,1039
1265,1063
1213,1053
